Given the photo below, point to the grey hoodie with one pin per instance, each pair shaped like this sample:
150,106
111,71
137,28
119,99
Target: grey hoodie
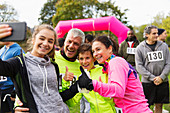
43,85
149,70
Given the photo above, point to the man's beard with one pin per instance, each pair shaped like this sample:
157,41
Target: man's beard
131,38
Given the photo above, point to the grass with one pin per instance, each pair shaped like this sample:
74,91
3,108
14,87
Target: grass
167,106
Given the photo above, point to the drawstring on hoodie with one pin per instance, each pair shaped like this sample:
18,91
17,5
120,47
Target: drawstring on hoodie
44,79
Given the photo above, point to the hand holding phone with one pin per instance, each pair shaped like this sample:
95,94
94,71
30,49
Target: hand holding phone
5,30
19,30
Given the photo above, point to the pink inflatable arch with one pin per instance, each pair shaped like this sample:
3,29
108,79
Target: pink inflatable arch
103,23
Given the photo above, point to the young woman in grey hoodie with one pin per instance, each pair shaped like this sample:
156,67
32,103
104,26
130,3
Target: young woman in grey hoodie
35,77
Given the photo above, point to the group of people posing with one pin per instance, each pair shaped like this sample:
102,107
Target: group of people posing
50,81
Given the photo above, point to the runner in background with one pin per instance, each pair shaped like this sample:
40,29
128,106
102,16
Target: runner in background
7,90
153,63
127,48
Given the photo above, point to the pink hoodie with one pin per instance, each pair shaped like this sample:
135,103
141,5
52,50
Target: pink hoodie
126,91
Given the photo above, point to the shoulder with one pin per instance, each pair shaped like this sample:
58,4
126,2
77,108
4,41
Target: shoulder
163,44
124,42
98,67
117,61
2,48
15,46
55,65
57,52
137,41
118,64
142,44
16,61
16,49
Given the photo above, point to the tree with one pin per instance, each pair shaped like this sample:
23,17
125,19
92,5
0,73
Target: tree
157,20
7,13
47,12
139,32
80,9
163,22
166,25
160,21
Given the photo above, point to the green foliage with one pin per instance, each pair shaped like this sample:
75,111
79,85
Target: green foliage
47,12
139,32
168,40
80,9
167,106
7,13
165,25
158,19
24,44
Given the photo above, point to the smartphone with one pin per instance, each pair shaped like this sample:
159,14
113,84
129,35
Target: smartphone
19,31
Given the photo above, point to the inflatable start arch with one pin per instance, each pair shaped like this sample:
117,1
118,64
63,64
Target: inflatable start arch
94,24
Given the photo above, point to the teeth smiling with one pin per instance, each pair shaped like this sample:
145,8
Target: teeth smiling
97,58
70,50
85,65
43,48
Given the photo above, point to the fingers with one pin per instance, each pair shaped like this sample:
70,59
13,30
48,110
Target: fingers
68,75
66,69
100,79
12,99
21,109
19,102
5,30
157,80
156,83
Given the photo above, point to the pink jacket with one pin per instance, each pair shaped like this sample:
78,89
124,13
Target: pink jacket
126,91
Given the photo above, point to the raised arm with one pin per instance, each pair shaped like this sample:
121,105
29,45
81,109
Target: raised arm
10,67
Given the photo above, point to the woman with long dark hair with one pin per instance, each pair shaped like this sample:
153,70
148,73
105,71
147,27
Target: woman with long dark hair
123,82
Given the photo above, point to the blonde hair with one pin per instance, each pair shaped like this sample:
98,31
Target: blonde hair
37,29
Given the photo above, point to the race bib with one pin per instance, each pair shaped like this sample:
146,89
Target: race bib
2,78
130,50
118,110
155,56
